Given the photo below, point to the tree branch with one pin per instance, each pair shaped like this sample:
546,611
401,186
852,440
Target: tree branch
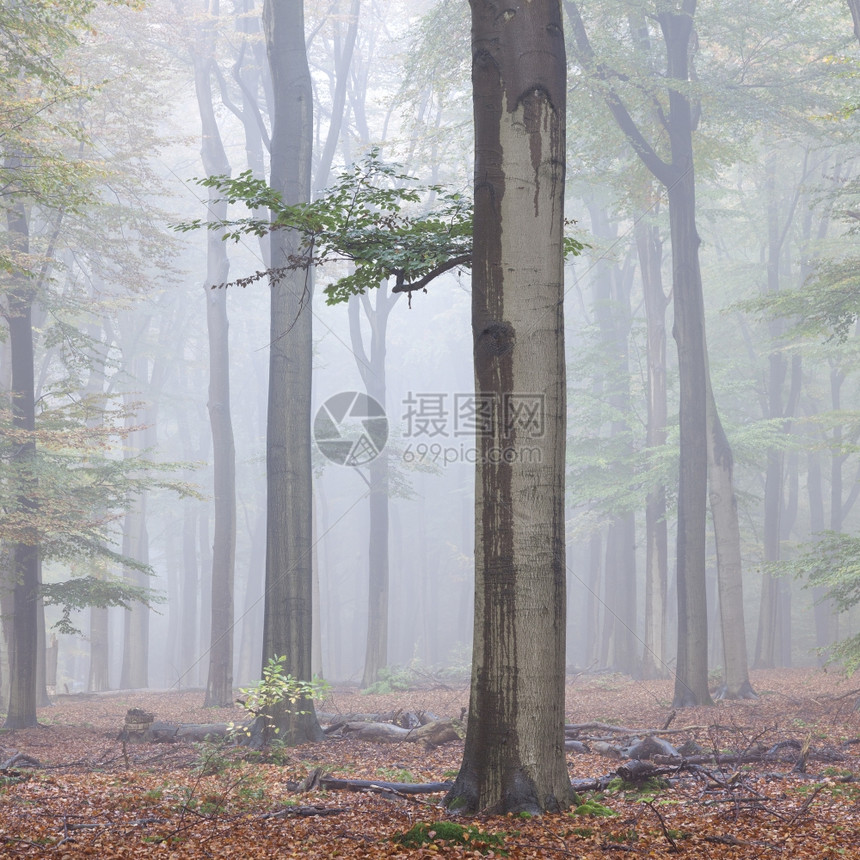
585,54
463,260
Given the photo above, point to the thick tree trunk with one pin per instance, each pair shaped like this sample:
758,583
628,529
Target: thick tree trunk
287,627
514,754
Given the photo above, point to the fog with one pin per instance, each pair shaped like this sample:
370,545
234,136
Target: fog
120,316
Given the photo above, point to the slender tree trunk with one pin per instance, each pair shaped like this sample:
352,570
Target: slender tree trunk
219,684
824,611
371,365
513,759
23,642
287,627
189,589
251,642
724,512
135,651
854,6
611,298
650,250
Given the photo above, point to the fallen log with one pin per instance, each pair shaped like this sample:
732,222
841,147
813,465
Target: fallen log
316,779
578,728
636,770
432,734
378,732
303,812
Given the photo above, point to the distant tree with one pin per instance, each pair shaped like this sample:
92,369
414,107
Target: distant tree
854,6
34,165
706,461
219,682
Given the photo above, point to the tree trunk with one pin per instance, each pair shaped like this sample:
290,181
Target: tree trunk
650,248
611,299
824,611
854,6
188,589
219,684
514,759
135,650
691,679
287,626
371,365
727,536
23,642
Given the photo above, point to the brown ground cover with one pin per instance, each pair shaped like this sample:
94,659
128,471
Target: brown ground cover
89,796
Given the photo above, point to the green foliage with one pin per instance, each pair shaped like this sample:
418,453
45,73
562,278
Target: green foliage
832,562
395,774
275,693
84,591
373,218
379,220
449,833
392,679
213,757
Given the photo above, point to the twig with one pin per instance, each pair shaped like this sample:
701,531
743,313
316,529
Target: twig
806,804
663,827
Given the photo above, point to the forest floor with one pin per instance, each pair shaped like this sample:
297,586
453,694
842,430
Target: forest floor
87,795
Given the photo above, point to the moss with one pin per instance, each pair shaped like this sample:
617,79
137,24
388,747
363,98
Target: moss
592,807
450,833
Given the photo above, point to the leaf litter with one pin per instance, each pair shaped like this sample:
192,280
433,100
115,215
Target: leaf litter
775,777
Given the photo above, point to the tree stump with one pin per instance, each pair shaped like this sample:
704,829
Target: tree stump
137,723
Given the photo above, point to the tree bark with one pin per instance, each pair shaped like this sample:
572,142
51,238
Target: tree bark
854,6
135,652
23,642
371,365
219,684
650,249
727,537
514,759
288,612
611,298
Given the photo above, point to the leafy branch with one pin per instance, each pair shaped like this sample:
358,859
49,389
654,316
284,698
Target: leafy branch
375,218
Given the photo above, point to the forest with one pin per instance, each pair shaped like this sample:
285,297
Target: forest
429,428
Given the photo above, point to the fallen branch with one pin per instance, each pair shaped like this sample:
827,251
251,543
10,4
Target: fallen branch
317,779
303,812
576,728
19,759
